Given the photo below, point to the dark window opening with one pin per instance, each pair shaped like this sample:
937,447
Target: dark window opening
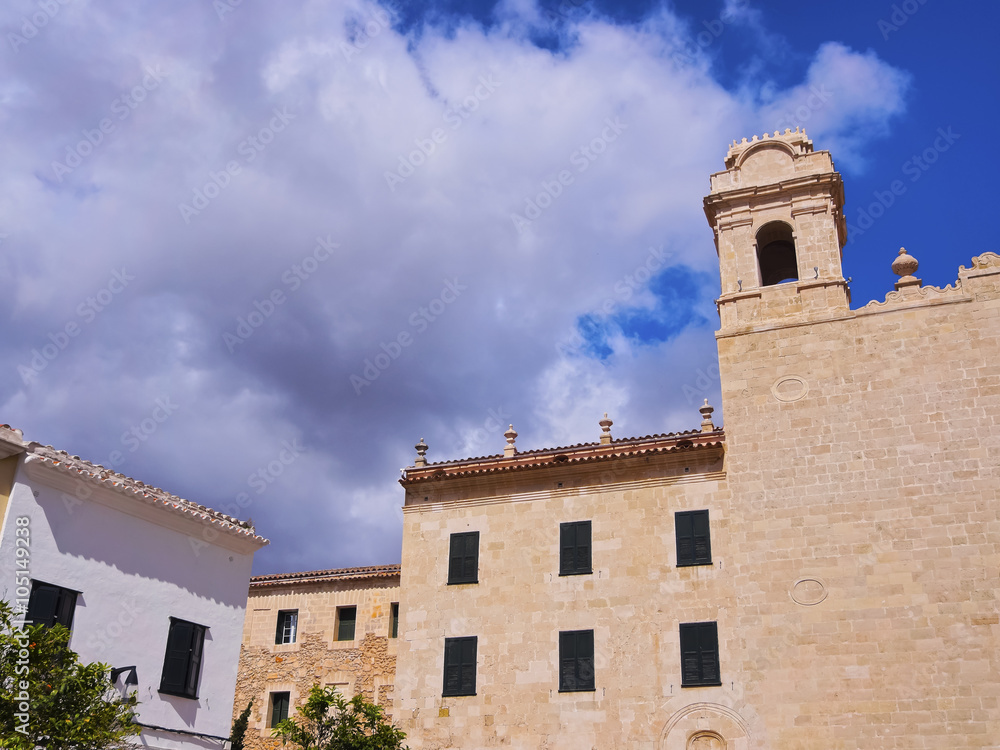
182,662
699,654
279,708
576,661
51,605
288,622
694,543
460,666
776,256
574,548
347,618
394,620
463,558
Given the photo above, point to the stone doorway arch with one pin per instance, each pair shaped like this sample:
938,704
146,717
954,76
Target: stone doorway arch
705,726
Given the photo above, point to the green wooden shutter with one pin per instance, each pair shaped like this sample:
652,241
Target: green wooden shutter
463,558
701,539
194,661
684,527
460,666
347,618
708,642
175,662
583,533
567,548
42,604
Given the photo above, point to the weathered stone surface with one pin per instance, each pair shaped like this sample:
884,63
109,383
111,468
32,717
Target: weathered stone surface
365,665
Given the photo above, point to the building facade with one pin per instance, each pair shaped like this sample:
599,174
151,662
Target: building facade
822,574
148,582
330,628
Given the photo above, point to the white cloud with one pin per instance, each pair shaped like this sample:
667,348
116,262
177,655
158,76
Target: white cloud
509,118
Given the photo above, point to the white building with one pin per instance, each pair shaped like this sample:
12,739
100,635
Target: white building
143,579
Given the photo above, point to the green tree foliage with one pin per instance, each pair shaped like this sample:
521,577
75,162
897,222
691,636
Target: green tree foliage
49,699
328,721
240,728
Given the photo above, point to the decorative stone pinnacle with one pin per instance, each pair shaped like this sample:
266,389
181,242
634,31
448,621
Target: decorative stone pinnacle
905,266
510,449
706,417
421,453
605,429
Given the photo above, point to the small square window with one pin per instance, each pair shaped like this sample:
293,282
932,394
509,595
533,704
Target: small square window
288,622
279,708
51,605
574,548
347,618
182,662
463,558
460,666
699,654
694,545
394,620
576,661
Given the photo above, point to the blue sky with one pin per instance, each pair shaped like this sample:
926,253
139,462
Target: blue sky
230,228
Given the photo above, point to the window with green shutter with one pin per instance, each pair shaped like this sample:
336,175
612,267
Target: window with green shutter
699,654
347,618
574,548
279,708
463,558
394,620
460,666
182,662
694,544
576,661
50,605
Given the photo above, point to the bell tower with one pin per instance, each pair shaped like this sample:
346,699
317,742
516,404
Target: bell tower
777,215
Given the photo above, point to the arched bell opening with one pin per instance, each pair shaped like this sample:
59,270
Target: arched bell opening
776,256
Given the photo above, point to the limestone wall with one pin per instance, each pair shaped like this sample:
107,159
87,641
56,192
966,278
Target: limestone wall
365,665
634,601
865,521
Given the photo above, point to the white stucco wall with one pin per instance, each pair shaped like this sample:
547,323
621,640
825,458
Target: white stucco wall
134,573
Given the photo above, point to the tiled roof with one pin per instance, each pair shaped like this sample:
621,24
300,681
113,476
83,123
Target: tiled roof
339,574
573,454
79,468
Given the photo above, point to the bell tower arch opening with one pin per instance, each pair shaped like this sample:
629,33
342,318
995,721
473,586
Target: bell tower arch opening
776,257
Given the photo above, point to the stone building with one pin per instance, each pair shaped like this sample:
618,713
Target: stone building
820,574
326,627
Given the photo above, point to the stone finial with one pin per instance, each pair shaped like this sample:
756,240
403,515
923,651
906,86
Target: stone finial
421,453
706,417
510,449
905,266
605,429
